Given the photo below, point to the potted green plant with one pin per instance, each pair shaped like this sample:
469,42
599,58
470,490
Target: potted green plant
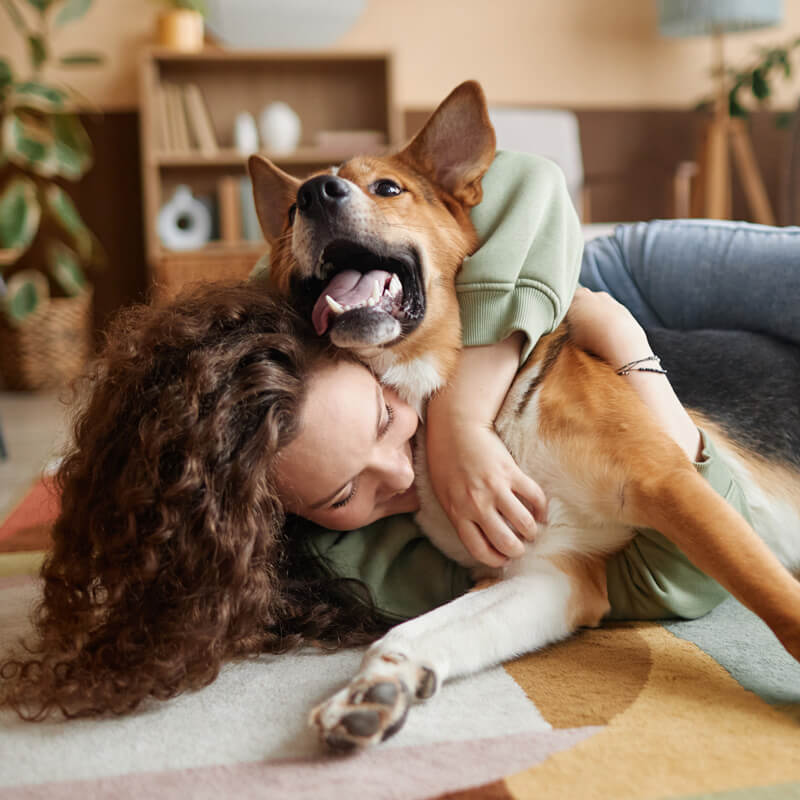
45,247
182,26
756,80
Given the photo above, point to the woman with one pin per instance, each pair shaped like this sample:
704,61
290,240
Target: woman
170,555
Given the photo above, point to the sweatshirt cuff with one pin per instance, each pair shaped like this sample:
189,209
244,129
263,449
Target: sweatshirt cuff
712,467
490,315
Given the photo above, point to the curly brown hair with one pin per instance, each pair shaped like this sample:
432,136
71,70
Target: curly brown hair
170,553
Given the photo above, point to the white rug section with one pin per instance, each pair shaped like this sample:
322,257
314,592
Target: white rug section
254,711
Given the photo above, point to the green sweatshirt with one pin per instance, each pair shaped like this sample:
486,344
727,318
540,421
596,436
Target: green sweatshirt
521,278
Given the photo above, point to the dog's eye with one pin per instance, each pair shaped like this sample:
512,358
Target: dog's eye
385,188
292,213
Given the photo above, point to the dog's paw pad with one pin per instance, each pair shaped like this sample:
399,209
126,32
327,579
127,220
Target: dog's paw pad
427,684
361,723
384,693
367,712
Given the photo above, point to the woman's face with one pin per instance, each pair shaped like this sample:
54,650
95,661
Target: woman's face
351,462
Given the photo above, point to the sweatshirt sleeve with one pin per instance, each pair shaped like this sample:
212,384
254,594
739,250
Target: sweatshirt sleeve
405,573
652,579
524,274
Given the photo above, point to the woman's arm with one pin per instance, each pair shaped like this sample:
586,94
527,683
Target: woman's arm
489,499
516,287
601,325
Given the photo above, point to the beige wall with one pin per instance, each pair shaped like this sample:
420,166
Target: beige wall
578,53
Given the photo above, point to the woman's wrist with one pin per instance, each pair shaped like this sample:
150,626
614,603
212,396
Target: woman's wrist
657,394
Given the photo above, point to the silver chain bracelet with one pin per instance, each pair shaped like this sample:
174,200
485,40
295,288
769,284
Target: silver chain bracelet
634,366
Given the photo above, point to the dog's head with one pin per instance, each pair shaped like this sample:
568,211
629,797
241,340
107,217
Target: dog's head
369,250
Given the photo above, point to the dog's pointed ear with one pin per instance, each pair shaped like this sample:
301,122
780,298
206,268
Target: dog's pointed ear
274,192
457,144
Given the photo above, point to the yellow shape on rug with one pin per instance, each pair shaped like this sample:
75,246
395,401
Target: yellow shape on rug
690,728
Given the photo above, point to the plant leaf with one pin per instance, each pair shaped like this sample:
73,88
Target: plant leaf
29,143
735,108
20,214
39,96
761,90
192,5
72,9
16,18
81,59
40,5
65,268
6,76
38,50
73,148
66,215
27,291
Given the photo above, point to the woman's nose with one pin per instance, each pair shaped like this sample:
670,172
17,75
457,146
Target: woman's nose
396,470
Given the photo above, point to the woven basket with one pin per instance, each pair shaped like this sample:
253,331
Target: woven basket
50,347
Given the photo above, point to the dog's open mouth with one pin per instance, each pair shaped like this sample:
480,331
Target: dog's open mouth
368,298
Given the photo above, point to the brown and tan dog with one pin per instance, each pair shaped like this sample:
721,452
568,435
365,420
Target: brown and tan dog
369,250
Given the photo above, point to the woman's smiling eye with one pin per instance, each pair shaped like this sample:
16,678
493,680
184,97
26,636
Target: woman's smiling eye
381,433
346,500
385,188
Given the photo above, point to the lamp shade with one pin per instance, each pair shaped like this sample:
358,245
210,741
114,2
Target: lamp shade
704,17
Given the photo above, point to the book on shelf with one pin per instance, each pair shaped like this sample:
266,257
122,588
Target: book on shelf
251,229
236,211
181,123
183,120
199,118
229,204
163,129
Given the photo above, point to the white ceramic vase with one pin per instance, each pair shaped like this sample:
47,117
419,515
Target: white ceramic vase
280,128
184,223
245,134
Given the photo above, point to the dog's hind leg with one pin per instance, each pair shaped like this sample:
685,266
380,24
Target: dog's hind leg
628,470
719,541
542,603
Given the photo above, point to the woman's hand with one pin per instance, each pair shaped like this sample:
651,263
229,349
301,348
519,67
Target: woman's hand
491,502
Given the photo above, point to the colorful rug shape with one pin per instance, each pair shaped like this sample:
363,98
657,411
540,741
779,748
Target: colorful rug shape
701,710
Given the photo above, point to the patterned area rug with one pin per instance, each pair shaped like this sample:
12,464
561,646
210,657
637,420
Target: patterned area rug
702,709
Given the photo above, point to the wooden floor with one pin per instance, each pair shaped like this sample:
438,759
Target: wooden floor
33,427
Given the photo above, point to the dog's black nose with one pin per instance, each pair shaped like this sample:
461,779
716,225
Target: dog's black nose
325,192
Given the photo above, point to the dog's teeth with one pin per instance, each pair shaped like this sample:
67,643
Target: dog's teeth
395,287
337,308
377,291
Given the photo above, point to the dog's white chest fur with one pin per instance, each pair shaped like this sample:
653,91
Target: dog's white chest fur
415,380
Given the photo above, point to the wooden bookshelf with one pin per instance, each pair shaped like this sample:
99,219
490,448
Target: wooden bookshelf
329,92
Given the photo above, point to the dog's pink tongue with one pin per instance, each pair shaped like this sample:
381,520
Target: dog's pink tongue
348,288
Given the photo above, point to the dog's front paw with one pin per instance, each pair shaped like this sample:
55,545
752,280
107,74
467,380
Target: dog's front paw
374,705
364,713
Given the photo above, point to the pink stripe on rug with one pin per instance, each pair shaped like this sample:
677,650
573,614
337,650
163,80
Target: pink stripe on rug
40,506
13,581
413,773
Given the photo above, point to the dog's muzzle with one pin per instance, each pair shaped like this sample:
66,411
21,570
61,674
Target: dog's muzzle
365,298
322,196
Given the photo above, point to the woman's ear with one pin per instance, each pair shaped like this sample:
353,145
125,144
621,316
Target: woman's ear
274,192
457,144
